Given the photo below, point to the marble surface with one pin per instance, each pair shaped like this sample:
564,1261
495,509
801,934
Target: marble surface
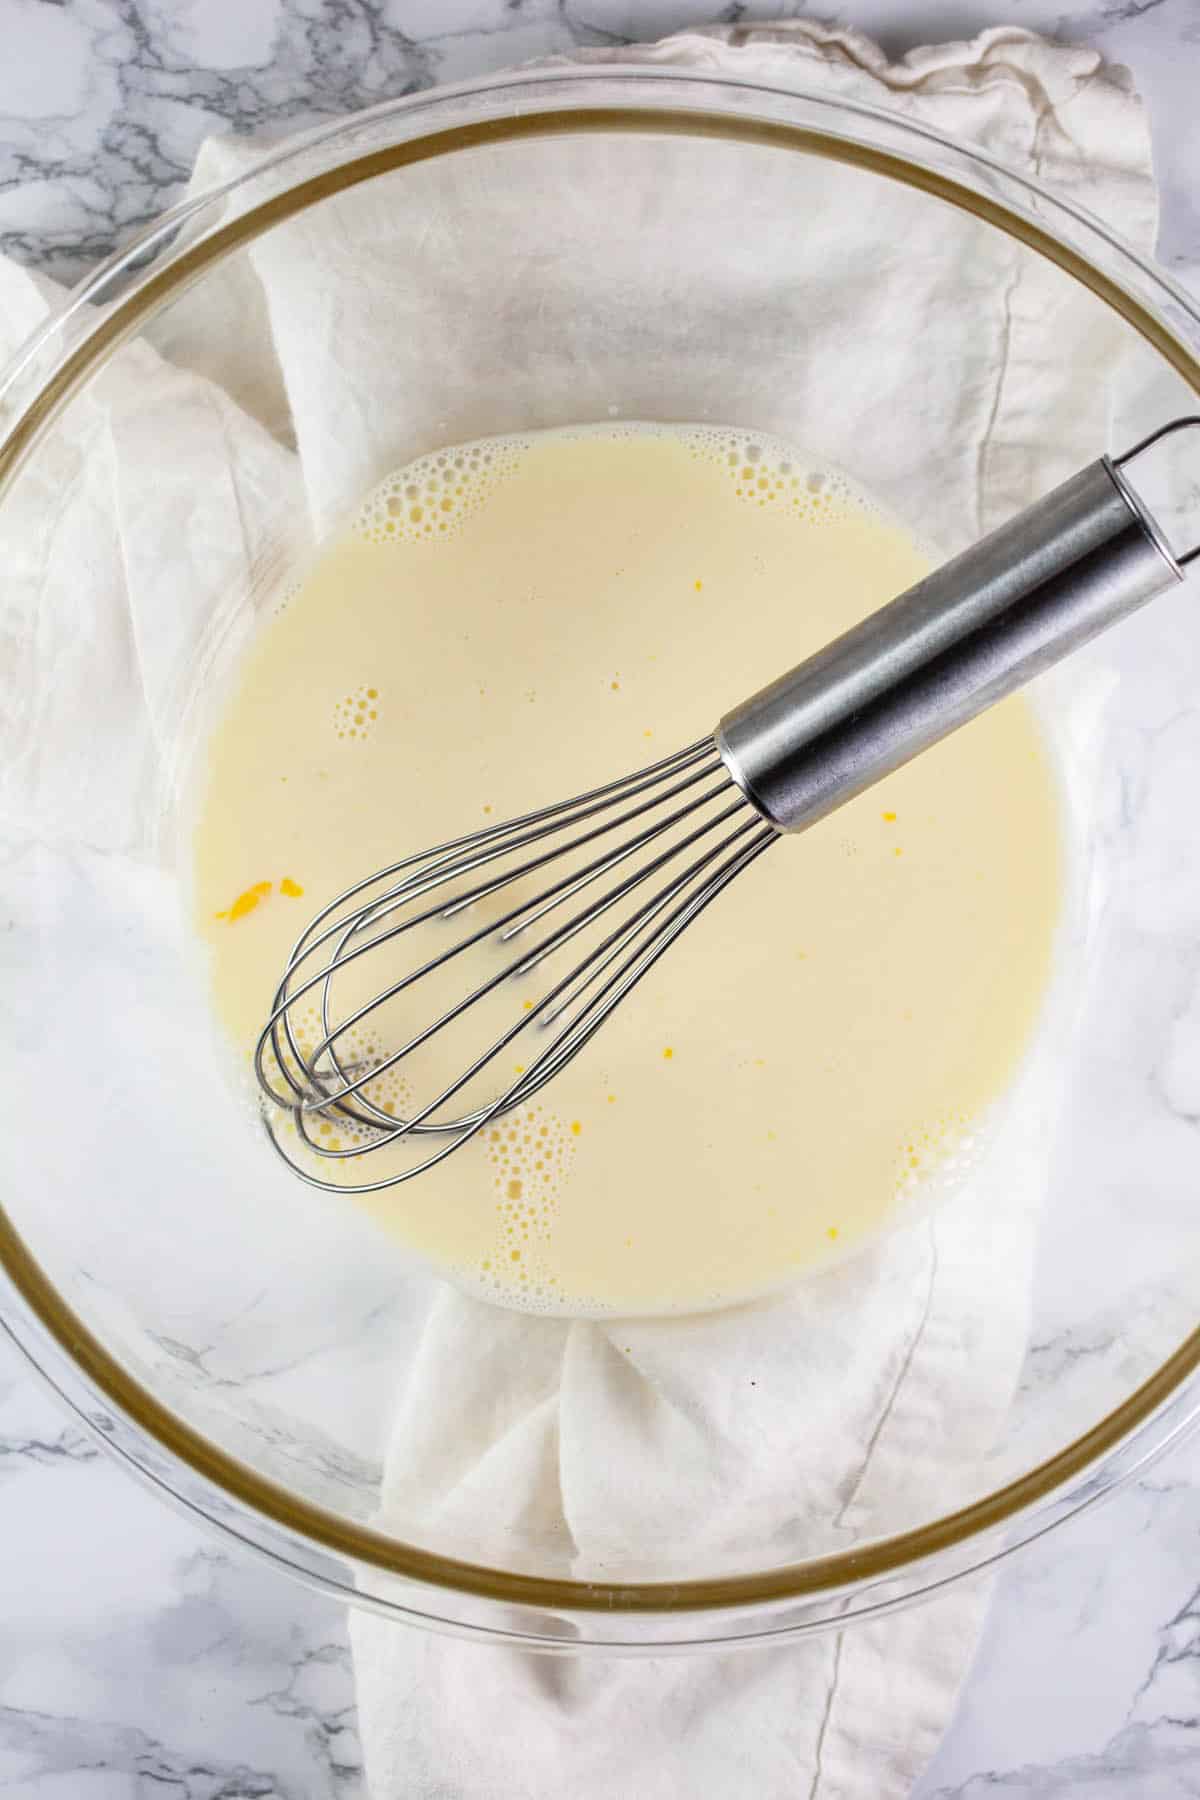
140,1657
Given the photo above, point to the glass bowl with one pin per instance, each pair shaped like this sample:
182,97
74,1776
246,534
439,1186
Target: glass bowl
244,1358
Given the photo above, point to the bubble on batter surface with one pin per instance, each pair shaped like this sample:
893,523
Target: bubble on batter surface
360,1052
288,591
356,714
937,1158
430,498
766,473
529,1153
434,496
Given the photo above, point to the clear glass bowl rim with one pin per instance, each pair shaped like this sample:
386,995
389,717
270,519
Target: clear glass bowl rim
331,1552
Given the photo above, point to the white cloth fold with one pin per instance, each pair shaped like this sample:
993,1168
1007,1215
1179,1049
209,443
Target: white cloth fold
860,1399
163,471
856,1402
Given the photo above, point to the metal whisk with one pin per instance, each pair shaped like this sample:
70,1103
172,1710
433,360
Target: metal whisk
580,899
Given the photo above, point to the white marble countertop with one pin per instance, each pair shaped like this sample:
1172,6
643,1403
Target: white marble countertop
139,1656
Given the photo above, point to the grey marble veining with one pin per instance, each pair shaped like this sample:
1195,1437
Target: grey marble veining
103,103
105,137
1088,1679
137,1656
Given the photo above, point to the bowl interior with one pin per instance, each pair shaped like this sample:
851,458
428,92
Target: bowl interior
678,267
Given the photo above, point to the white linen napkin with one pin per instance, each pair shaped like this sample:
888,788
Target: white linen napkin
861,1395
850,1403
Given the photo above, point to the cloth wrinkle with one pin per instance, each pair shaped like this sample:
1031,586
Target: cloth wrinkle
910,1351
827,1713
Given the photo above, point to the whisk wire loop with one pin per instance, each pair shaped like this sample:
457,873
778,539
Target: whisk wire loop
314,1084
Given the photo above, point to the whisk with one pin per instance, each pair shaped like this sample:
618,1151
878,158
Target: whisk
580,899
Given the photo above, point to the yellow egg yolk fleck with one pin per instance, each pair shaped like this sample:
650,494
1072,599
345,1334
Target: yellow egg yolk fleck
249,899
246,903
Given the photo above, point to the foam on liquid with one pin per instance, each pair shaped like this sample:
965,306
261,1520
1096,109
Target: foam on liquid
517,620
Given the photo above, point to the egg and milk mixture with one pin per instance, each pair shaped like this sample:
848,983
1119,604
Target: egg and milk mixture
519,620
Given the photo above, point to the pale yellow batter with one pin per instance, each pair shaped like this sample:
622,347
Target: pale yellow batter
508,624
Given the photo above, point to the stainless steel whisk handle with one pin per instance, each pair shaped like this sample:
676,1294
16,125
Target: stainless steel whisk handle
974,630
